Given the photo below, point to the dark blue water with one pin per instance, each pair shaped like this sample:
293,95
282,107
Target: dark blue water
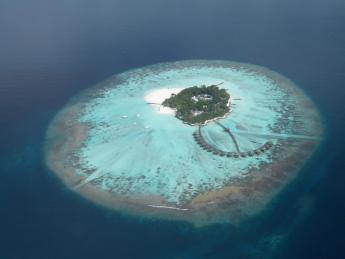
51,50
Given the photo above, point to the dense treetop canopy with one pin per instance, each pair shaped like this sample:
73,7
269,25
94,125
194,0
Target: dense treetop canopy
196,105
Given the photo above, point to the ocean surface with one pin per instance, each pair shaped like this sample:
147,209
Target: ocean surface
52,50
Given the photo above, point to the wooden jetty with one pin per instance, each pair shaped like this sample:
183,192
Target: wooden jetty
200,140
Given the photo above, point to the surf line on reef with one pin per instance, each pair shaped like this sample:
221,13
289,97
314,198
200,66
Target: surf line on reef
165,207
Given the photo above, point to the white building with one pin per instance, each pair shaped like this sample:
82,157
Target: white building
202,97
196,112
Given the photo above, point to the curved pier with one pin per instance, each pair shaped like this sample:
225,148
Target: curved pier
198,137
227,130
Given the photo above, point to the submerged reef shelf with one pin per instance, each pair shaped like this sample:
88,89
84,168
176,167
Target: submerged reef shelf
112,147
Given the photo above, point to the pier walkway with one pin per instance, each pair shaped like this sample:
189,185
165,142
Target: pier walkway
227,130
199,138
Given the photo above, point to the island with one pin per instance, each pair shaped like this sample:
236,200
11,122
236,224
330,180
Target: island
123,143
199,105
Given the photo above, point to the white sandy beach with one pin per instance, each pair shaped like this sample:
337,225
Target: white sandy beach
157,97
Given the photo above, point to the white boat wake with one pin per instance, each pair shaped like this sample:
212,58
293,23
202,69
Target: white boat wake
165,207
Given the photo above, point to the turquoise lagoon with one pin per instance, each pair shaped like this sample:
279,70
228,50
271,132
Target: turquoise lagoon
111,146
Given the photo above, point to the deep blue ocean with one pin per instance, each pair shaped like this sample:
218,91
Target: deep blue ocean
51,50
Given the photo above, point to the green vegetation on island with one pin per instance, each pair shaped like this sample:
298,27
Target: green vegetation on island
196,105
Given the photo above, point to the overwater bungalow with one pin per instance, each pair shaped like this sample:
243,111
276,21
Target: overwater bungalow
270,143
216,152
250,153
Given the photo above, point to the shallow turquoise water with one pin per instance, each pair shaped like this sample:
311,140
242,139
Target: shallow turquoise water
134,150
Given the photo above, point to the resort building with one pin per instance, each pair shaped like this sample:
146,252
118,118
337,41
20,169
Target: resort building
202,97
196,112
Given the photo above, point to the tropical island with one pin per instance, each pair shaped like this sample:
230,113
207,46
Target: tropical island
117,145
198,105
